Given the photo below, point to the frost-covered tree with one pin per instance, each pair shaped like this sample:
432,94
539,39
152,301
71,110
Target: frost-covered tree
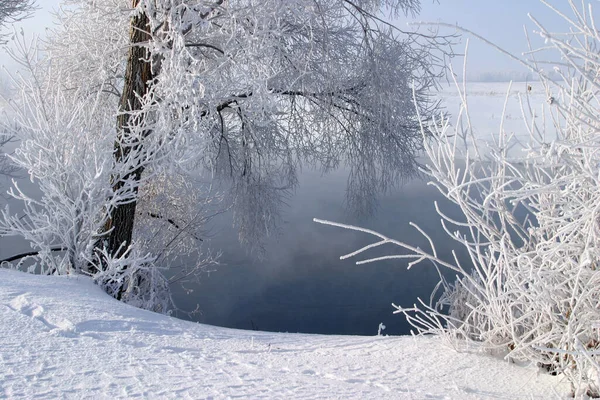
12,11
261,86
239,92
531,285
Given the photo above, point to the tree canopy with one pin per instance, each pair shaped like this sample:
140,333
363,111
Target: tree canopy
239,92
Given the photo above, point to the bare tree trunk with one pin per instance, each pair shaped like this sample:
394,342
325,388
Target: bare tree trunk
138,75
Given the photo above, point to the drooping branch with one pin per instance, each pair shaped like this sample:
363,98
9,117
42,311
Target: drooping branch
171,222
29,254
12,11
208,46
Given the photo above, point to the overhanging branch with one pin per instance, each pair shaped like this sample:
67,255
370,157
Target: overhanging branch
29,254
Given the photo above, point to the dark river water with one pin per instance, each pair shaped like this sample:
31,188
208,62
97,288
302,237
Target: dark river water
303,286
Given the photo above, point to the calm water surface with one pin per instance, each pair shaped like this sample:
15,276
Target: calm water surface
303,286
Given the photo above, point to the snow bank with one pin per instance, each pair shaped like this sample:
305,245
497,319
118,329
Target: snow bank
64,337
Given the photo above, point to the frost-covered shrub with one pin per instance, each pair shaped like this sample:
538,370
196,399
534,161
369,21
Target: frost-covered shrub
135,280
66,147
531,287
66,151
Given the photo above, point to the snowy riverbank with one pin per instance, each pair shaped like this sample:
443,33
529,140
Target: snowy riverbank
63,337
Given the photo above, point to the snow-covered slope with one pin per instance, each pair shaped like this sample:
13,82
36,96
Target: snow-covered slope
63,337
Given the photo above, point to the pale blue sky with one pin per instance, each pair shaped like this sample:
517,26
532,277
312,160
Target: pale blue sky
501,21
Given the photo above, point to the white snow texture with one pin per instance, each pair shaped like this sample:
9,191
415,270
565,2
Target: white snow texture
62,337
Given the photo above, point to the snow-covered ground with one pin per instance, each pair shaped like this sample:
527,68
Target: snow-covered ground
62,337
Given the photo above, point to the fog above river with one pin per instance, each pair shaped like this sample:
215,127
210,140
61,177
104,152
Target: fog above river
302,285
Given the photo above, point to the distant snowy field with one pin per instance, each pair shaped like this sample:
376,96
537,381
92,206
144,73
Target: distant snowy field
487,101
62,337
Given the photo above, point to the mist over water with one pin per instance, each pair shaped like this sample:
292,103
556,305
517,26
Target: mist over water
302,285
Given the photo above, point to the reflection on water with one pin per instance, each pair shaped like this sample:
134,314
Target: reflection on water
303,286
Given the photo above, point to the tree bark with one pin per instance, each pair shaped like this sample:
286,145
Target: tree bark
138,76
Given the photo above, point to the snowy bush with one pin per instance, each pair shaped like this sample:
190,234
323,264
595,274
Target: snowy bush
135,280
66,147
530,289
66,151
